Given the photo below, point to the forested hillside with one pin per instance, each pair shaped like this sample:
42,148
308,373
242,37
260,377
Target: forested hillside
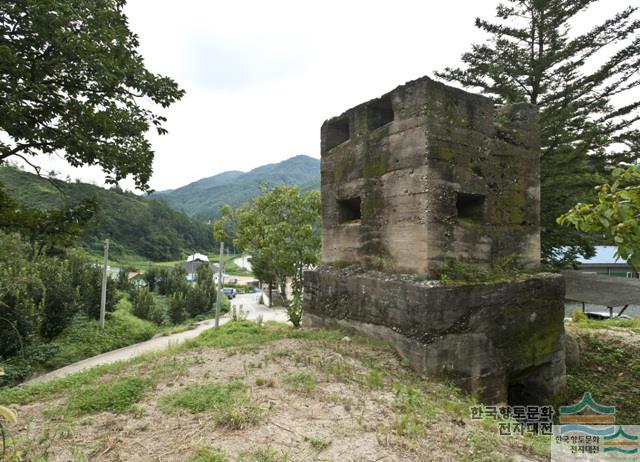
204,197
135,225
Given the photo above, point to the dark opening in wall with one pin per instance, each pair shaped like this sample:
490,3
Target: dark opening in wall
470,206
529,388
379,112
349,210
336,132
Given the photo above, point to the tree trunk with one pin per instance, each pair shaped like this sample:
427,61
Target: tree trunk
283,289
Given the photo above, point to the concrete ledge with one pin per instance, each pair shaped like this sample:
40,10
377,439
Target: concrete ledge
501,341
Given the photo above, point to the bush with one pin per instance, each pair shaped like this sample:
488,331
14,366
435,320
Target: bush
87,279
122,282
578,316
172,281
40,294
178,308
143,303
152,277
198,301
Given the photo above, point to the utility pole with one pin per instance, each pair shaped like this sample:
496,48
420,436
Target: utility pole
219,284
103,296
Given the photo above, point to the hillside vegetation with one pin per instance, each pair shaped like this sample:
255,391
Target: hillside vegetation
204,197
135,225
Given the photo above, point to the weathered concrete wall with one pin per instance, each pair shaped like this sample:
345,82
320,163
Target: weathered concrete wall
421,175
426,173
501,341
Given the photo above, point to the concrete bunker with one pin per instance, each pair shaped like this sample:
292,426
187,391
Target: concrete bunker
424,175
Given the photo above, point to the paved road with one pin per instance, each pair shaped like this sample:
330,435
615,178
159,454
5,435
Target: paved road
249,304
243,262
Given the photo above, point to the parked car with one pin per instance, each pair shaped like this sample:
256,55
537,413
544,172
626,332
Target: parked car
230,292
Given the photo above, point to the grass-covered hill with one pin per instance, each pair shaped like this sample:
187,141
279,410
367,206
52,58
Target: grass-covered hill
135,225
257,393
204,197
250,392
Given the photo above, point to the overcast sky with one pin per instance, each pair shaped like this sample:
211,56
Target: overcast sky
261,76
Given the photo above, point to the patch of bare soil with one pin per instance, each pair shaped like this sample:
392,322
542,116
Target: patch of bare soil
347,409
618,335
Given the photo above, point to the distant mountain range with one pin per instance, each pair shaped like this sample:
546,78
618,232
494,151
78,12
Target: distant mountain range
167,224
202,199
136,226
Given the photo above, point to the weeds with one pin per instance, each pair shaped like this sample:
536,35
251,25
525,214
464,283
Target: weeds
317,443
458,272
268,382
417,412
117,396
583,322
263,455
229,404
374,379
210,455
248,334
302,381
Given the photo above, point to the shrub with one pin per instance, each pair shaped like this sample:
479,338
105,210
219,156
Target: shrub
87,279
578,316
178,308
40,294
151,277
122,282
143,303
172,281
198,301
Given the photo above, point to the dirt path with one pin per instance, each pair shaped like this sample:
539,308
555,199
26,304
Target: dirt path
250,307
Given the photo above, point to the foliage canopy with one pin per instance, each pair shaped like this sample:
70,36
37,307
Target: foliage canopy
581,84
616,213
73,83
281,232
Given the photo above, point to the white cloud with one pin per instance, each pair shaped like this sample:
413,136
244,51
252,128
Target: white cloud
261,77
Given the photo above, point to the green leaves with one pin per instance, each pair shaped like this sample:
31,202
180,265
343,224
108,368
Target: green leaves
281,231
615,215
71,82
532,55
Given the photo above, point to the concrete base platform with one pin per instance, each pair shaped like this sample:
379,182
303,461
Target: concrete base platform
503,342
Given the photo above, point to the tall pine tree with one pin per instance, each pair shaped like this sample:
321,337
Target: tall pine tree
584,87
